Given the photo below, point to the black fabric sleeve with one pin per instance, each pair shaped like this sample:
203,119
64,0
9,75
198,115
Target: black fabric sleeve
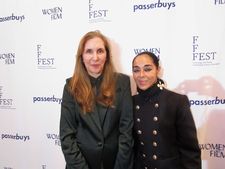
189,150
124,159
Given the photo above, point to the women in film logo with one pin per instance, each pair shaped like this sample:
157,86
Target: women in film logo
214,150
156,51
54,13
54,137
8,58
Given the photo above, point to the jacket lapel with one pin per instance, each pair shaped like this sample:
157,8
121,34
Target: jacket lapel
102,112
95,118
92,120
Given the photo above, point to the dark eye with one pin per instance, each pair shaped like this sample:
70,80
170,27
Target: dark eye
136,70
100,51
88,51
147,69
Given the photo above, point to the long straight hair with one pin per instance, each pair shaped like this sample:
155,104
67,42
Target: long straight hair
80,85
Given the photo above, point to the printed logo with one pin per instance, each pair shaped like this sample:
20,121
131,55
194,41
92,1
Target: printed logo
97,12
5,103
12,18
219,2
8,58
203,58
215,101
7,168
213,150
16,137
156,51
54,13
54,138
152,6
52,99
44,62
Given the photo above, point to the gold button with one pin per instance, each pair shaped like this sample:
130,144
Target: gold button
154,132
155,118
139,132
154,157
137,107
144,155
138,120
154,144
142,143
156,105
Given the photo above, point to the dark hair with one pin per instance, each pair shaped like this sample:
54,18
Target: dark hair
151,55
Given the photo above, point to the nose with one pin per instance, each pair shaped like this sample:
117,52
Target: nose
95,56
142,73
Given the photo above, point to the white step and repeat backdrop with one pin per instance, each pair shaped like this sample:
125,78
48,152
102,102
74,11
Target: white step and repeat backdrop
38,41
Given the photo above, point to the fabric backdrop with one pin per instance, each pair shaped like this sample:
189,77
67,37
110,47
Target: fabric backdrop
38,42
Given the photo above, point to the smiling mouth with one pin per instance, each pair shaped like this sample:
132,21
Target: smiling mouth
141,82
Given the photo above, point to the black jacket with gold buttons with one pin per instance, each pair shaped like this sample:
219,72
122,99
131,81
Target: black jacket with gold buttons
164,130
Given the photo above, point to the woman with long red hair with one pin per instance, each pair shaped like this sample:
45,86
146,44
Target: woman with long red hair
96,112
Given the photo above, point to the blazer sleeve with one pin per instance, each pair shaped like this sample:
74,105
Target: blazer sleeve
190,152
124,159
68,129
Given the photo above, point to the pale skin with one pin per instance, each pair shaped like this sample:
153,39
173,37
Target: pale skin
145,72
94,56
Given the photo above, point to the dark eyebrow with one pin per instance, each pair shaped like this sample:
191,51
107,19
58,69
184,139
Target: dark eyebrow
144,66
87,49
136,68
147,65
101,48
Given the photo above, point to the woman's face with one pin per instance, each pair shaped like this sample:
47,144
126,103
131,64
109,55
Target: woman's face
94,56
145,72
